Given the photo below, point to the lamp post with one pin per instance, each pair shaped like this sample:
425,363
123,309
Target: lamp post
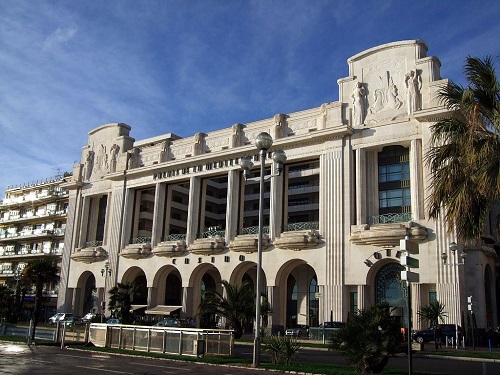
453,248
105,272
263,142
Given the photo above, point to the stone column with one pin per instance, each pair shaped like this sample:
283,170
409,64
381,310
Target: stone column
361,215
362,302
416,183
193,209
279,193
233,197
159,206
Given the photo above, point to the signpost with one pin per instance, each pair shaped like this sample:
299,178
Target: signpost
408,247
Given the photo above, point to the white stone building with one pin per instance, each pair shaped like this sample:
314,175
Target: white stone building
176,216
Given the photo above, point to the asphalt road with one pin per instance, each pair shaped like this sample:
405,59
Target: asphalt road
21,359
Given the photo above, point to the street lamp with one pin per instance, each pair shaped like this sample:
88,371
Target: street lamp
263,142
453,248
105,272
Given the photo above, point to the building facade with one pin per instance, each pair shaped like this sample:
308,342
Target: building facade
176,216
32,224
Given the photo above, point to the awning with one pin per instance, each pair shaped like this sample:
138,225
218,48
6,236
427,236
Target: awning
162,310
137,307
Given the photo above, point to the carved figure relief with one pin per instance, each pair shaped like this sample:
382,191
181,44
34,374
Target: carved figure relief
279,125
89,164
113,154
358,102
237,133
385,96
413,86
165,150
133,160
198,145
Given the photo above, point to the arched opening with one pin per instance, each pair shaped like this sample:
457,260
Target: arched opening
389,288
313,303
141,291
207,320
173,290
488,296
291,301
90,298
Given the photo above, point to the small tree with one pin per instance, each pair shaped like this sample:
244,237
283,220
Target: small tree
236,304
39,273
120,299
433,313
282,349
369,338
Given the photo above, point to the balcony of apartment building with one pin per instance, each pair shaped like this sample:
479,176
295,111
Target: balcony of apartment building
23,251
30,216
33,197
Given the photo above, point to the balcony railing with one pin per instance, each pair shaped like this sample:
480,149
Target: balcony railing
306,225
174,237
254,230
141,239
92,244
391,218
211,233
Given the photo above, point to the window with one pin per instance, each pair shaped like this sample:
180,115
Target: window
394,180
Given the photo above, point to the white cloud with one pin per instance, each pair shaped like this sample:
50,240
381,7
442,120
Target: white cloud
60,36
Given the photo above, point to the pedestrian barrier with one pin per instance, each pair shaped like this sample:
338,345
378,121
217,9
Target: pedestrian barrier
170,340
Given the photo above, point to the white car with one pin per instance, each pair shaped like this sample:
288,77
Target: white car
59,316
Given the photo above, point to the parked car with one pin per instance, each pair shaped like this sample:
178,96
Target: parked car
168,322
113,321
71,320
336,325
92,318
58,317
301,330
427,335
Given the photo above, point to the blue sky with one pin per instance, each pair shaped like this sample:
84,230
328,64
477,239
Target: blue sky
67,67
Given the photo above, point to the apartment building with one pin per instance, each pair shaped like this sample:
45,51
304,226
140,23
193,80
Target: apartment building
176,215
32,224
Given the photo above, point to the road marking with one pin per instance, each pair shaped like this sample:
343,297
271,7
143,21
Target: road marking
100,358
163,367
102,369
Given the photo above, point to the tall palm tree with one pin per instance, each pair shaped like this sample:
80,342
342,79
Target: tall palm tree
121,298
464,153
433,313
236,304
39,273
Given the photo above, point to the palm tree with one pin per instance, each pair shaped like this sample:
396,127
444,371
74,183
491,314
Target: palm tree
463,157
369,338
236,305
433,313
39,273
120,298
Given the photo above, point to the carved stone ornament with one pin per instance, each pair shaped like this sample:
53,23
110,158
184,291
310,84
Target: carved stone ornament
207,246
137,251
89,254
387,235
170,248
297,240
248,243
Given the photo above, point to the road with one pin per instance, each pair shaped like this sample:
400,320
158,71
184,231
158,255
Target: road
21,359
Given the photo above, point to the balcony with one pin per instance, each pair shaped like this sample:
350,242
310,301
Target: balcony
138,248
387,230
90,253
299,236
171,246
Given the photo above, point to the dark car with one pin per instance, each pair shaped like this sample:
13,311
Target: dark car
336,325
300,331
427,335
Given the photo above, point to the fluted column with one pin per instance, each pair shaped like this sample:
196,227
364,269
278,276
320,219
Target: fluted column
362,295
159,214
276,203
233,197
416,183
360,186
193,209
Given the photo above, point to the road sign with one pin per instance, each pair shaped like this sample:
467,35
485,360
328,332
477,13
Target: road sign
409,261
409,246
317,295
412,277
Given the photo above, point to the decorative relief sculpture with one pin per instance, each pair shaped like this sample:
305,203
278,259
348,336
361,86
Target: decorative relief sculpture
279,125
133,159
237,133
198,145
113,154
413,85
165,150
358,102
101,159
89,164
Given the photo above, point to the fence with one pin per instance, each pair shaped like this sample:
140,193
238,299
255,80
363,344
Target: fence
169,340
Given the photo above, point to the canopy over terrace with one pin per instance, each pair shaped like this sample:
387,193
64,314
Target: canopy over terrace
162,310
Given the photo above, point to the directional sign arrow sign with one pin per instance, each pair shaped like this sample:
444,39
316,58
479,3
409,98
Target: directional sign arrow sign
409,261
408,246
412,277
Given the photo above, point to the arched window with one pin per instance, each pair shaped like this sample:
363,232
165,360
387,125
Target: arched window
313,303
389,288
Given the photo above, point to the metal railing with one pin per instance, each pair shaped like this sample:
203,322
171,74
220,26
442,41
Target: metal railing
392,218
92,244
142,239
170,340
174,237
306,225
254,230
211,233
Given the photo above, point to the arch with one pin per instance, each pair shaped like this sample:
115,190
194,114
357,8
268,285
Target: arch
292,301
389,287
86,298
161,286
209,275
131,274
